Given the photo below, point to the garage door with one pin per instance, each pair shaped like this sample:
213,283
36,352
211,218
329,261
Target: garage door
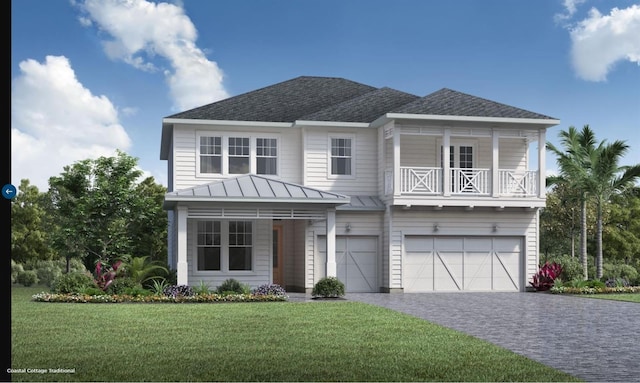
356,262
462,263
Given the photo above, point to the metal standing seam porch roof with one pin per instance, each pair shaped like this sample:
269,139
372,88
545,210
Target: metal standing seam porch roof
251,188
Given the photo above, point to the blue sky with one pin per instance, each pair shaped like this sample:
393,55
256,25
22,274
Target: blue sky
90,77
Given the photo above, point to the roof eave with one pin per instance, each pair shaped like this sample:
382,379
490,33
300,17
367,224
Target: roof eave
502,120
170,201
194,121
333,124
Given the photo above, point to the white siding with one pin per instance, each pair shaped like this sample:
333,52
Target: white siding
365,153
418,151
513,154
261,273
468,223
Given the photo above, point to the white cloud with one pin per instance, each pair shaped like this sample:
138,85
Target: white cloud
56,121
600,41
571,7
141,30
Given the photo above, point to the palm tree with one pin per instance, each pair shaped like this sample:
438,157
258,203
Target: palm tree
573,163
605,177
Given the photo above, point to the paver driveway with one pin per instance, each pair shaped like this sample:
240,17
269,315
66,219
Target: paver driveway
593,339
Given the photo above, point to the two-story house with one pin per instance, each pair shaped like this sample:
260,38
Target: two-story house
386,190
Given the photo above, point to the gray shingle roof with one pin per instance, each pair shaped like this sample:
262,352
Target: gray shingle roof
449,102
365,108
251,187
283,102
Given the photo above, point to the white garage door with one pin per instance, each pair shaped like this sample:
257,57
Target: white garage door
356,262
462,263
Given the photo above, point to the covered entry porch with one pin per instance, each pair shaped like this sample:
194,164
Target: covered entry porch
244,227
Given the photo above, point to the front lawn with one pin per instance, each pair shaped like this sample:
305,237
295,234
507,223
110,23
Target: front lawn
633,297
267,341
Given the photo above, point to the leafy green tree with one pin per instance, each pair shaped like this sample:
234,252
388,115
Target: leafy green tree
100,207
30,237
621,236
150,225
605,178
572,160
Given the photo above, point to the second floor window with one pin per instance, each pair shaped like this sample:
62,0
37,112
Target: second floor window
210,154
266,156
239,152
341,156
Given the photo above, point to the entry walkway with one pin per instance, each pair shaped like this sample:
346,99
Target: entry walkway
593,339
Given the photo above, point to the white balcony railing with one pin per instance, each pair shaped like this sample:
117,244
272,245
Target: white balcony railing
474,181
523,183
420,180
429,181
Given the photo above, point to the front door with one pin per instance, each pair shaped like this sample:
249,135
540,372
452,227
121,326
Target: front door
278,270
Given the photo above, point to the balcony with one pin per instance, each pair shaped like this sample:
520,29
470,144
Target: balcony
429,181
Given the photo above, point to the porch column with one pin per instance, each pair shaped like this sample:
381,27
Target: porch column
495,164
446,169
331,243
396,162
542,163
182,267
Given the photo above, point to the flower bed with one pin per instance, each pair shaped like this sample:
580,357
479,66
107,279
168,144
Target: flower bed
200,298
595,290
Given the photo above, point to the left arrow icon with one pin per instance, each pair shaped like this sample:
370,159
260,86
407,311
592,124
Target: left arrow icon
8,191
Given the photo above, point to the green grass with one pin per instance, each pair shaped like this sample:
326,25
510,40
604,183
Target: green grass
627,297
274,341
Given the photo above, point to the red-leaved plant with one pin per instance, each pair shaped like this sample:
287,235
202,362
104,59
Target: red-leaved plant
543,280
105,275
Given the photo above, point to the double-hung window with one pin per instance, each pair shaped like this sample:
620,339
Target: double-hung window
341,156
266,156
239,155
209,245
225,246
240,245
210,154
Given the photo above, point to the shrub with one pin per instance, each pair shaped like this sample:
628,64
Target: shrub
547,274
136,291
178,291
233,286
159,285
16,268
48,271
613,271
121,284
27,277
328,287
202,289
72,283
571,267
91,291
617,282
269,289
105,275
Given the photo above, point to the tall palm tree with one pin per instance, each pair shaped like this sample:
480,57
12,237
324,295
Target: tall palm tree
573,164
605,177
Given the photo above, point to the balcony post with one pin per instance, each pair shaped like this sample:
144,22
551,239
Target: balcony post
396,162
495,164
542,174
446,168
